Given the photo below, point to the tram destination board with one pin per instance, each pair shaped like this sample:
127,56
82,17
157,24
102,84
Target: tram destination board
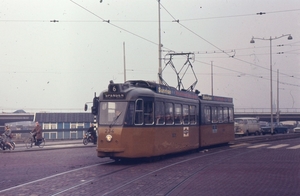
114,95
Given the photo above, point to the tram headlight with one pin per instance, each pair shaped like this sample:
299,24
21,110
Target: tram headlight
108,137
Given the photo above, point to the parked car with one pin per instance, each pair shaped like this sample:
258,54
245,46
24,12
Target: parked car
277,128
246,126
297,129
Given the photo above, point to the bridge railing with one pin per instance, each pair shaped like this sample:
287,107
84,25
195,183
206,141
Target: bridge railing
266,110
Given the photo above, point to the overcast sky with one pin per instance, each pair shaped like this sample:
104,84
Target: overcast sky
48,66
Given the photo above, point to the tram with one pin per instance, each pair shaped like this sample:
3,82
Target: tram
142,119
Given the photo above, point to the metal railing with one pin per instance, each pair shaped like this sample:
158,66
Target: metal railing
266,110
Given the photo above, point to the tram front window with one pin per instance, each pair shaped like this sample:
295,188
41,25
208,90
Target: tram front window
112,113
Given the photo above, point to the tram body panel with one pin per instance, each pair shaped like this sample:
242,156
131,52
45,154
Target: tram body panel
176,139
135,142
214,134
125,142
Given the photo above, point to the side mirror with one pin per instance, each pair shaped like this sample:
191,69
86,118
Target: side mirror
85,107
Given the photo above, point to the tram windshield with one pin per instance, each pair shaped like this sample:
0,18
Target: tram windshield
112,113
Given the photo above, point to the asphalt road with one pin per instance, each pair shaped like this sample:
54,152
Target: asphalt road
245,168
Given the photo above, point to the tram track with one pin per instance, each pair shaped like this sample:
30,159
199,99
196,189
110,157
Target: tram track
169,180
167,185
166,177
115,178
46,178
60,189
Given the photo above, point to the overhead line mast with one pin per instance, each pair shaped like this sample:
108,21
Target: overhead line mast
159,47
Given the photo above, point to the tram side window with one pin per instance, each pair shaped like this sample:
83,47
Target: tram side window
226,114
138,112
214,114
193,114
169,114
207,115
148,112
231,118
160,112
220,114
185,112
178,114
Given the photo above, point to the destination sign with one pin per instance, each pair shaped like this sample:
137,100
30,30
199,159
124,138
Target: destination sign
217,98
114,95
172,91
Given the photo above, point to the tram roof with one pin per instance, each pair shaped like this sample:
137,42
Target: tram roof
117,91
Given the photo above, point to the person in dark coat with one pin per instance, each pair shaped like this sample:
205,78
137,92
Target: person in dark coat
7,135
37,132
92,131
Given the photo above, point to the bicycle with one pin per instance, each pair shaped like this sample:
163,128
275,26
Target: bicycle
33,142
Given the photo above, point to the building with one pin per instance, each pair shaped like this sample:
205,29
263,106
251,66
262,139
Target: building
54,125
64,125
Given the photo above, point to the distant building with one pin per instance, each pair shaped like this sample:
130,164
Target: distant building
54,125
64,125
17,116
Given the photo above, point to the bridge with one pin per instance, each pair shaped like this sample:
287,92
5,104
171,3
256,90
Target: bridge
264,114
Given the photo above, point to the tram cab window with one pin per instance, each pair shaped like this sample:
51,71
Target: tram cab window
130,114
112,112
159,113
185,113
169,114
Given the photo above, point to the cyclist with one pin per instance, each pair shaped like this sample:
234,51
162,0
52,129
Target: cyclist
7,137
37,132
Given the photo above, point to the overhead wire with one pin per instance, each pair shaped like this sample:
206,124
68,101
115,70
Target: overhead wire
240,15
109,22
222,51
177,21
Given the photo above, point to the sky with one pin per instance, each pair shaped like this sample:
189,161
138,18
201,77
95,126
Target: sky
58,66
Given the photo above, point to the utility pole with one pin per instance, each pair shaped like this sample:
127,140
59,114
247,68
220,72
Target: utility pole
277,113
124,62
212,79
159,47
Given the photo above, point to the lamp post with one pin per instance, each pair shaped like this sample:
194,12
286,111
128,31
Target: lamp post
271,91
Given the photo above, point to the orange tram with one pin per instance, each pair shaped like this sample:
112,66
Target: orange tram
141,119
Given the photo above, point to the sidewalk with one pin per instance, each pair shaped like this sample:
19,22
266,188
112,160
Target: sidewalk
51,145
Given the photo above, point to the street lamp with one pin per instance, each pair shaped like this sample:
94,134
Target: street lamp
271,91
